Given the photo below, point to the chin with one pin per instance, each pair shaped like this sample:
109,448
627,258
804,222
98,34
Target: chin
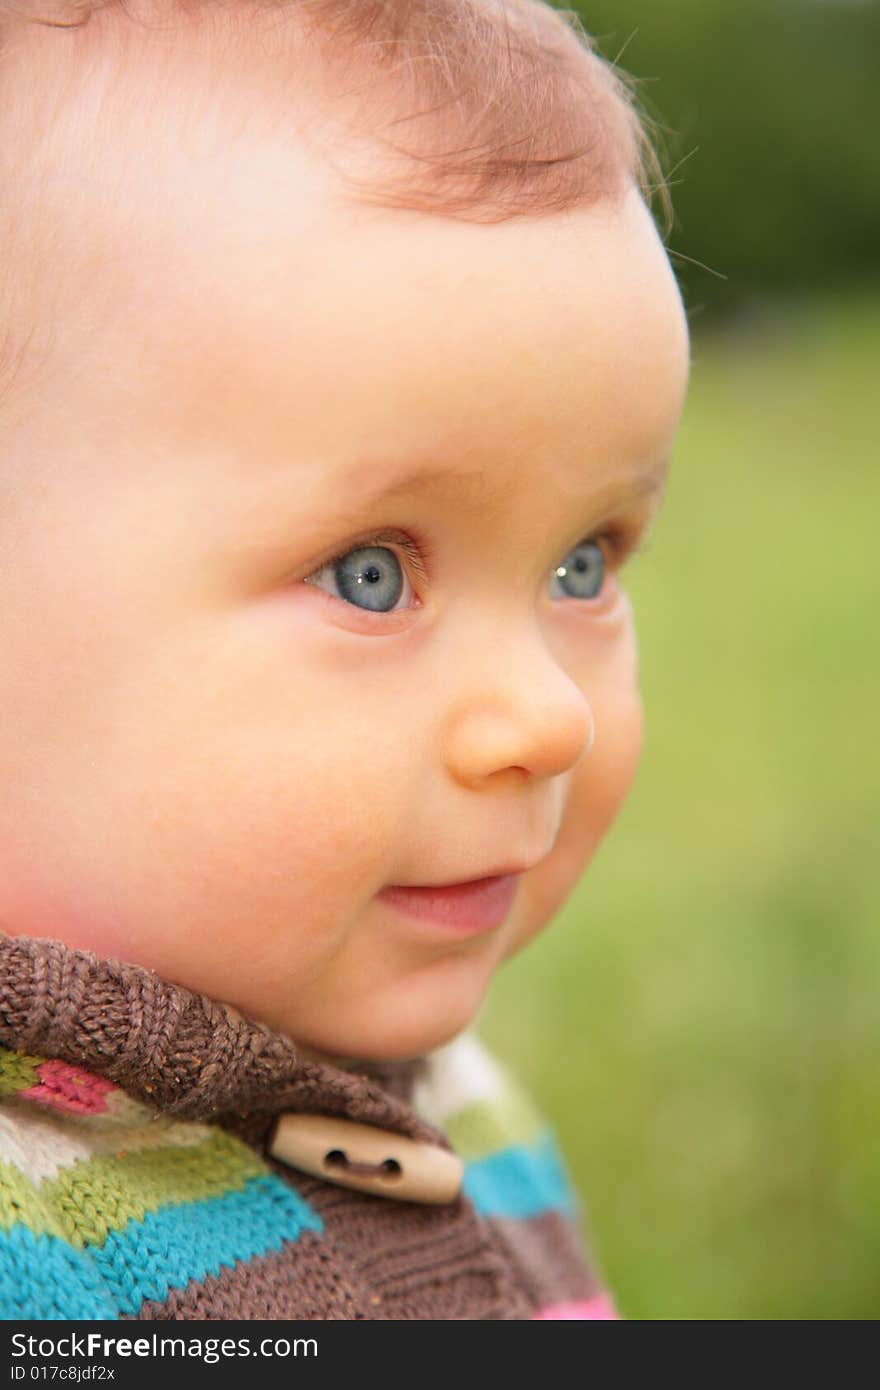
399,1014
395,1043
401,1046
396,1030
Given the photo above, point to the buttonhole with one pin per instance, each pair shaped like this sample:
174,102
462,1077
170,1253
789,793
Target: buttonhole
389,1170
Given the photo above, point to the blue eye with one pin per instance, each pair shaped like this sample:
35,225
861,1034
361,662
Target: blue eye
368,576
582,572
371,577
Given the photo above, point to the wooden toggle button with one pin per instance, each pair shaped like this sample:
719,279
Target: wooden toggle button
367,1159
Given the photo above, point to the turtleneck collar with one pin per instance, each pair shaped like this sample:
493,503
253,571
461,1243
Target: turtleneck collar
182,1053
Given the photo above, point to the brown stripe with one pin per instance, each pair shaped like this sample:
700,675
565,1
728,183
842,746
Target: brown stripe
405,1260
300,1281
549,1256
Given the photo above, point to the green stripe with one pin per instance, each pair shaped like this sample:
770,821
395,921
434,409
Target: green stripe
20,1202
480,1129
87,1201
18,1071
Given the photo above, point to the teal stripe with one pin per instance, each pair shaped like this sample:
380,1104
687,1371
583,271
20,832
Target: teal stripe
148,1258
44,1277
520,1181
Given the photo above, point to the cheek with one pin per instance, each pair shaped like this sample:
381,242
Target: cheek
603,778
604,775
597,790
267,821
251,817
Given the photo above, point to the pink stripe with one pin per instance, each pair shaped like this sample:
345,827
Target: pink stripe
66,1088
599,1307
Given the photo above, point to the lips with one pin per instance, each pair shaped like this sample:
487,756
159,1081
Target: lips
463,908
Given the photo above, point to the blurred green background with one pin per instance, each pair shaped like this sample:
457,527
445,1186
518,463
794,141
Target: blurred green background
702,1022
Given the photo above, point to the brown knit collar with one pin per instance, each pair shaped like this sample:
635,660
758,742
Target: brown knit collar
184,1054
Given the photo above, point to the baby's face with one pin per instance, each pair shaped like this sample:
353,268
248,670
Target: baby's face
309,587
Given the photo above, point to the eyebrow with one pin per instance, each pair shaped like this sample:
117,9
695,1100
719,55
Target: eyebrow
633,483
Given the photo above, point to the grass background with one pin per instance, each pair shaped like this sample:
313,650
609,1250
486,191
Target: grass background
701,1023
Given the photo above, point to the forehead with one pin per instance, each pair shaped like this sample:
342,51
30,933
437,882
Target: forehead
352,338
252,316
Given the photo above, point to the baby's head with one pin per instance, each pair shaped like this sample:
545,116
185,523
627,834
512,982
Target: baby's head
326,428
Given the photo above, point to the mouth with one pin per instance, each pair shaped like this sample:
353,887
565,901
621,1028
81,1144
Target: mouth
465,909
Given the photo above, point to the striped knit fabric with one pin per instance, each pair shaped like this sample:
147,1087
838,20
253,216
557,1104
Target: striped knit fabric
112,1207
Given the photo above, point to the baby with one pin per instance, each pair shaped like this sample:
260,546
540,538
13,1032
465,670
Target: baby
341,362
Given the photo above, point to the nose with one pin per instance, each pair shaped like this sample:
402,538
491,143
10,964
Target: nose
517,709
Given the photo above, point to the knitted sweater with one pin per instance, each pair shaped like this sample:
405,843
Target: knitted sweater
136,1180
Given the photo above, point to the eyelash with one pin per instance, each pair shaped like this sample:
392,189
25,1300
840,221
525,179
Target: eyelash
619,544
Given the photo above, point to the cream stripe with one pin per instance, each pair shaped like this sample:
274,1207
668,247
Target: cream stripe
459,1075
40,1143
